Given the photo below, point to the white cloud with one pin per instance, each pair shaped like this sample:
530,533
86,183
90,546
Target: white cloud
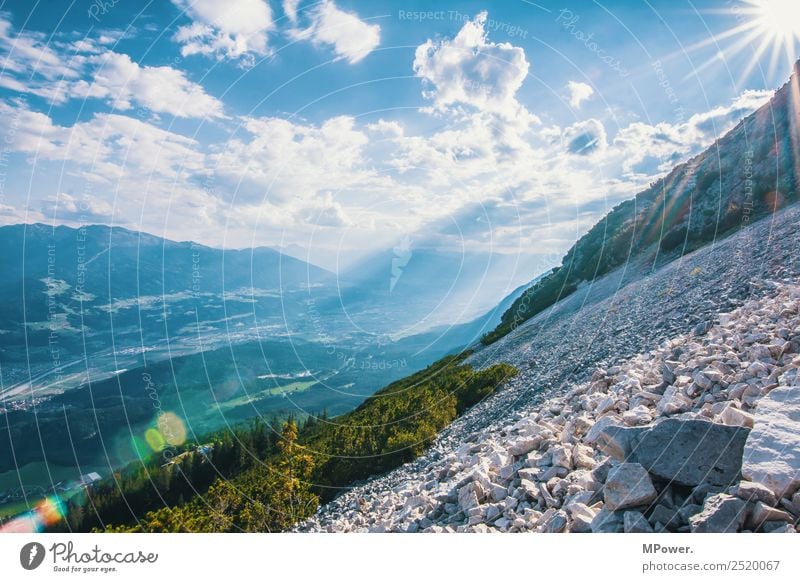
386,128
578,93
287,160
234,29
160,89
585,138
470,70
147,175
34,68
29,54
290,9
107,147
325,211
351,38
656,148
64,206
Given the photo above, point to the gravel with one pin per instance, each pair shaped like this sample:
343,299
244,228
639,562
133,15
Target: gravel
630,312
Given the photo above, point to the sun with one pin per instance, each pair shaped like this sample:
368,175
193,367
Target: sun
780,18
776,22
764,28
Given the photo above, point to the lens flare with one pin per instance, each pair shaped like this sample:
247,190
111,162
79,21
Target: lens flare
141,449
172,428
51,510
47,512
155,439
765,28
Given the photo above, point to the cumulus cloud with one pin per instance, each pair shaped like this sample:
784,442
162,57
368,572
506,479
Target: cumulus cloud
66,207
28,53
585,137
160,89
114,162
87,69
30,65
285,159
469,70
720,119
578,93
108,146
657,147
351,38
325,211
234,29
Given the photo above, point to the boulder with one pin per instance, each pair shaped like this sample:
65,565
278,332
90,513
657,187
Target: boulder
616,441
597,428
721,513
561,457
673,402
555,523
529,489
754,492
600,471
761,513
667,372
607,521
524,445
606,404
530,474
628,485
688,451
581,524
668,517
581,511
772,452
470,495
637,416
582,457
734,417
635,522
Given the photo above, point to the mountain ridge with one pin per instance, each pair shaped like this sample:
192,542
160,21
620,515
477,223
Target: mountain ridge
744,175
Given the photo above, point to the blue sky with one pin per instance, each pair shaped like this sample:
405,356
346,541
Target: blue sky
337,128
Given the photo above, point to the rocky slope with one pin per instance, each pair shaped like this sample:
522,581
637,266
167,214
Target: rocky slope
664,400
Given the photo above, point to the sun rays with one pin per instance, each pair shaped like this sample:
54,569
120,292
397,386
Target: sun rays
769,30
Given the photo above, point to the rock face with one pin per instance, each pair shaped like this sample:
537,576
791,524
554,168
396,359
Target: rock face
628,485
772,451
690,452
658,442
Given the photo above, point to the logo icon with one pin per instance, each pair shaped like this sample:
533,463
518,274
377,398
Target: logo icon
31,555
